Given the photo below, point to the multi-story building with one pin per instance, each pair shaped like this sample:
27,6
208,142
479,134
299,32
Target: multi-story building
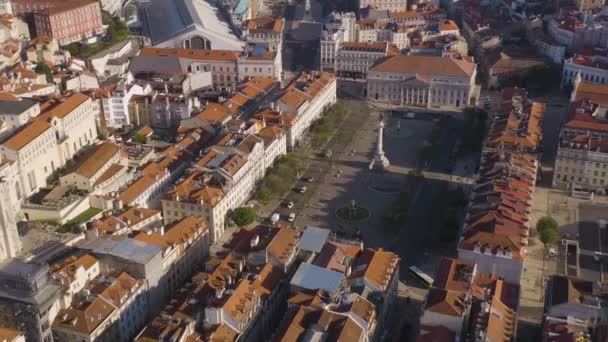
581,159
589,5
222,180
130,220
461,300
517,126
49,141
389,5
228,68
340,28
258,60
423,14
592,69
28,299
426,81
13,28
168,110
303,102
115,103
497,223
111,307
15,113
43,49
354,59
69,21
265,30
576,30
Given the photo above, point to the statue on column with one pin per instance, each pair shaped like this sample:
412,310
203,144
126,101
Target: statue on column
379,162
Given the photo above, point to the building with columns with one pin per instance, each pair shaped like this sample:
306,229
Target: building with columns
425,81
592,69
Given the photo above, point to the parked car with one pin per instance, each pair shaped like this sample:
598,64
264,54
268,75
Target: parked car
552,252
301,190
409,115
289,204
292,217
275,218
308,179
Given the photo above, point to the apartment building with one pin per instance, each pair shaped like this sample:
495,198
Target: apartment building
267,31
339,274
64,127
222,180
46,50
259,60
425,81
422,14
128,221
581,152
463,301
230,298
340,28
69,21
154,179
303,101
390,5
592,69
517,126
354,59
184,243
446,302
576,30
115,103
168,110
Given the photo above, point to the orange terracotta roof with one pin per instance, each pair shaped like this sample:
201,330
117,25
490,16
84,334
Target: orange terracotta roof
9,335
25,136
215,113
146,131
376,266
265,25
282,246
131,217
195,54
103,152
426,66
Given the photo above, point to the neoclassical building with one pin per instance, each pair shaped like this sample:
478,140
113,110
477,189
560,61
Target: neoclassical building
425,81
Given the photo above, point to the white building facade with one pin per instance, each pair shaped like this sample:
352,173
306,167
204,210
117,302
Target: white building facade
425,81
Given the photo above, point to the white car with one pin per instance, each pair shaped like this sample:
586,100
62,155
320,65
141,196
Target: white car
409,115
289,204
292,217
275,218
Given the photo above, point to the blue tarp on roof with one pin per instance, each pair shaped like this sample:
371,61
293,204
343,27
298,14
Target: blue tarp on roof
313,277
313,239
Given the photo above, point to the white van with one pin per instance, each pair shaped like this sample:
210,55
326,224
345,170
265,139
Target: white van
275,218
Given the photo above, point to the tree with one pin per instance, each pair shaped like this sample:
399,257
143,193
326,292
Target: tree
548,230
42,68
140,138
243,216
264,195
548,236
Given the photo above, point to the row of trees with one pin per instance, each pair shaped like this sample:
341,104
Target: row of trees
280,178
474,129
327,124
